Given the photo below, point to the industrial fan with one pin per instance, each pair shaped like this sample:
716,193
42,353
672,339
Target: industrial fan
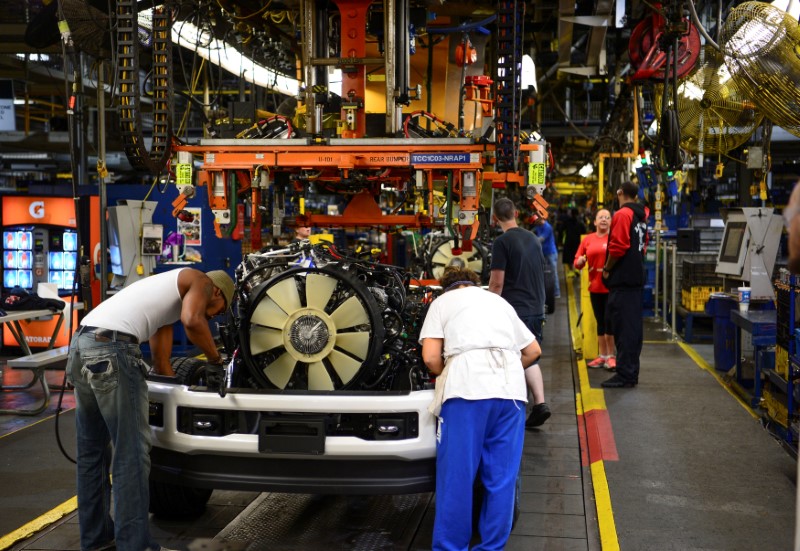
713,114
441,255
311,328
759,42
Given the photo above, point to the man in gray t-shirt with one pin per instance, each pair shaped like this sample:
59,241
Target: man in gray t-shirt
517,274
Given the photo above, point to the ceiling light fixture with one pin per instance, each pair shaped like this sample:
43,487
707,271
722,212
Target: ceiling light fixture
229,58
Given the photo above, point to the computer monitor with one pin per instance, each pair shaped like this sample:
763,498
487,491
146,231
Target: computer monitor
733,250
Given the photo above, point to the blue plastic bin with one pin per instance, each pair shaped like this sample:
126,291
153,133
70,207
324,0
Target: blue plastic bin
719,307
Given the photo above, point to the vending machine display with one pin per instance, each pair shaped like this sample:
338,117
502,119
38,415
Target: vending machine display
40,251
17,259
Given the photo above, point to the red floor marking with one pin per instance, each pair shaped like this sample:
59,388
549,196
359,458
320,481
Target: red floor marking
600,436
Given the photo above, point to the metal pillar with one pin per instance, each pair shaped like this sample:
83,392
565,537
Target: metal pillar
674,283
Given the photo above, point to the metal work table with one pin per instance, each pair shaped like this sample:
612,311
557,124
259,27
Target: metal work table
762,326
36,363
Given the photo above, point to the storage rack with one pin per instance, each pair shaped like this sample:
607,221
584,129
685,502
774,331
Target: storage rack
781,399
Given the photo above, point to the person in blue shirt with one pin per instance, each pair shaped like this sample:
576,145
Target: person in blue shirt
544,231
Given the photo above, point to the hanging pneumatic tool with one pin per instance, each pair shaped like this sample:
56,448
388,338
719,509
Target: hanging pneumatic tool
664,47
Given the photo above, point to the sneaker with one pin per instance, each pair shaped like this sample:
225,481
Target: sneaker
597,363
611,363
617,382
539,414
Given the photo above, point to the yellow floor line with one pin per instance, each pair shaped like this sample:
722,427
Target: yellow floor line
587,399
55,514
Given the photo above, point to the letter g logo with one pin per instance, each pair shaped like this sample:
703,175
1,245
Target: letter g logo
36,209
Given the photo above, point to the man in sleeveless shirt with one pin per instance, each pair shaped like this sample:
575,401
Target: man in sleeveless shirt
105,365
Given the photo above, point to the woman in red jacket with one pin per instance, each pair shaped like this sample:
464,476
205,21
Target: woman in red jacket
592,253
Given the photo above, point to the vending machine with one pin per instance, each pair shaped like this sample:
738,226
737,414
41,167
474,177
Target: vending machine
40,245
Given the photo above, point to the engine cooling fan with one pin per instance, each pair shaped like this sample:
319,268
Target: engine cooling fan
311,329
442,255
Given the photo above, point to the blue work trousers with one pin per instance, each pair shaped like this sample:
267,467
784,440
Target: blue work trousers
111,411
477,437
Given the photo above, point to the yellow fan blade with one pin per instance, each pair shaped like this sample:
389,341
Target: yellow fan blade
350,313
285,294
345,366
280,371
264,338
355,343
319,289
318,378
269,314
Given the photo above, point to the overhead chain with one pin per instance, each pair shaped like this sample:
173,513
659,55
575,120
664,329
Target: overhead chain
508,80
130,93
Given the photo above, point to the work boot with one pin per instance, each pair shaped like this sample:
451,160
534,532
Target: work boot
617,382
539,414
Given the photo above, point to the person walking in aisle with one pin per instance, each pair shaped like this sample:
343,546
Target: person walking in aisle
624,275
477,346
111,409
544,231
517,275
592,253
572,232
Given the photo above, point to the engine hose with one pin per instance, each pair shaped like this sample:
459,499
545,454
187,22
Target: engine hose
232,205
449,213
668,152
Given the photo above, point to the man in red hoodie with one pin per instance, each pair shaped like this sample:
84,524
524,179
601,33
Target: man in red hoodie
624,275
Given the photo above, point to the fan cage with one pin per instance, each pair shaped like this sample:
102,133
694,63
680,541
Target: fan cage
713,113
758,41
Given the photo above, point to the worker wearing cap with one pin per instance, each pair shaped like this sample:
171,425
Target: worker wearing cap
105,365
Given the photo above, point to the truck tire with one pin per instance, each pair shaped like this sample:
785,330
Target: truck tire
170,501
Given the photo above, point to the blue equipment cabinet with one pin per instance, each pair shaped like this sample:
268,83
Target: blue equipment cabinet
217,253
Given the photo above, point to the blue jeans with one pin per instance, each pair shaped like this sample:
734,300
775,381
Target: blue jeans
553,258
483,438
111,410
